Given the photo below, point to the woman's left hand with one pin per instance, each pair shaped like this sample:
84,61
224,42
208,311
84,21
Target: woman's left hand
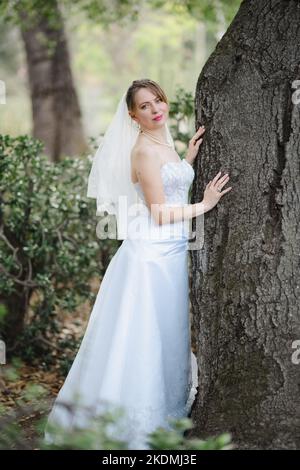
194,145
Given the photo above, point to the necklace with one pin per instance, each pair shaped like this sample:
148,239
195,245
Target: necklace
155,139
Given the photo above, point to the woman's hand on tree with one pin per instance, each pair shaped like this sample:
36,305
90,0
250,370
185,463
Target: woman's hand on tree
194,145
211,194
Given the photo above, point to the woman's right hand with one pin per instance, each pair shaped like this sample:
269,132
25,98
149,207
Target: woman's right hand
211,194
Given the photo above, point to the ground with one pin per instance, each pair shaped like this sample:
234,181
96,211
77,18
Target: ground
20,405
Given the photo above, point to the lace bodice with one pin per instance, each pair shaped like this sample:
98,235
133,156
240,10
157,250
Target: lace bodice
177,178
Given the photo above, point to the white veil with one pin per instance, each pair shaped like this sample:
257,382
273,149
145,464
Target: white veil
110,176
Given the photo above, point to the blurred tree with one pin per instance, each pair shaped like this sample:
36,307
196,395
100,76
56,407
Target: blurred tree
55,108
246,277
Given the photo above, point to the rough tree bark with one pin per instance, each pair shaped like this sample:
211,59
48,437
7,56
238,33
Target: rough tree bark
246,278
55,107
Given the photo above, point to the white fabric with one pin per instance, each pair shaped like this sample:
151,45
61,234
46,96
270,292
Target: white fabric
136,351
110,175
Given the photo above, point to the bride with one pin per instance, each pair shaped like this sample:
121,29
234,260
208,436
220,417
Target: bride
136,351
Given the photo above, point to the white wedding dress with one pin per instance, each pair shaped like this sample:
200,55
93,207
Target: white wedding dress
136,351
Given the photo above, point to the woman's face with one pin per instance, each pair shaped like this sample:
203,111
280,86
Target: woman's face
148,106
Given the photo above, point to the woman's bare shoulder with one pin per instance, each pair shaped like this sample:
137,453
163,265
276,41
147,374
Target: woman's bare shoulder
142,150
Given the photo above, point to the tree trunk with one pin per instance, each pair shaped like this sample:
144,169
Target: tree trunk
55,107
246,277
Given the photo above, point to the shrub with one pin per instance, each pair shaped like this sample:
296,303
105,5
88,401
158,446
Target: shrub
48,245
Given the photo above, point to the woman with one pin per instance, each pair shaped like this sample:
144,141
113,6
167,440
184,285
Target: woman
136,351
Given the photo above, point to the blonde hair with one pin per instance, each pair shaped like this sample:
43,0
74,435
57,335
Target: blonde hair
143,83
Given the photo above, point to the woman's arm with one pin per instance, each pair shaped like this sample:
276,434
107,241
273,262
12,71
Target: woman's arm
168,214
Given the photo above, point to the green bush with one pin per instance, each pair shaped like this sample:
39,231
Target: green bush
182,119
49,249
